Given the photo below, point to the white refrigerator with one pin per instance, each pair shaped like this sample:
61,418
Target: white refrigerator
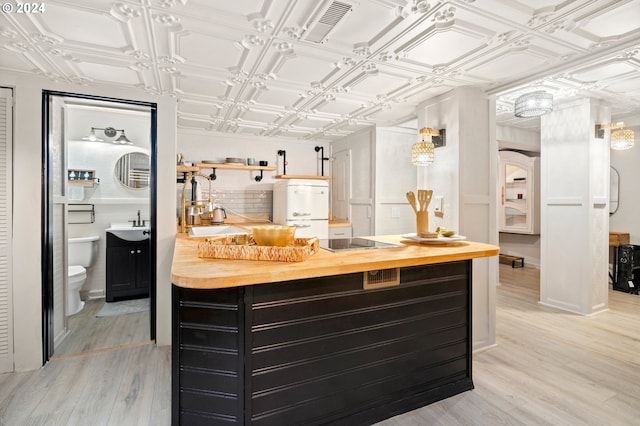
303,203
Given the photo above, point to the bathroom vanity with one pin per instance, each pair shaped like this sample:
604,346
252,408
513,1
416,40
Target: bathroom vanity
127,268
350,337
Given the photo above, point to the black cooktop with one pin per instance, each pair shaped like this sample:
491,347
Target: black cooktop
343,244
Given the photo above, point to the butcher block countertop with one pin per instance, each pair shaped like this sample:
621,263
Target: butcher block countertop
190,271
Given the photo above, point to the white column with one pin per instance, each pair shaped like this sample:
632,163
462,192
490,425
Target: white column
465,173
574,234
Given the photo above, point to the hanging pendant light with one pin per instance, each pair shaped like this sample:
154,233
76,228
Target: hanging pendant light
533,104
423,152
622,139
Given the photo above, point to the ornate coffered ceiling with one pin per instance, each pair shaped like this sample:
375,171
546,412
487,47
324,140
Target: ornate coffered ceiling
324,69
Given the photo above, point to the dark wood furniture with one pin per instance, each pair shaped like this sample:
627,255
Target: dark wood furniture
127,269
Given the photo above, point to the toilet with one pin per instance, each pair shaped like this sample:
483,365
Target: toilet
81,254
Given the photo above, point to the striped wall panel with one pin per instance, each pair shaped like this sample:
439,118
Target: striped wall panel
322,350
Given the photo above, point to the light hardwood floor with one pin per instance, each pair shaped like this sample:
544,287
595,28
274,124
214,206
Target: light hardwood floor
549,367
87,333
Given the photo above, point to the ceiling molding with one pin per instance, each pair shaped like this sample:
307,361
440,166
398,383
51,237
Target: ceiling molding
245,67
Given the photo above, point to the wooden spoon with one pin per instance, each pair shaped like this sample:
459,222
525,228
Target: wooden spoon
411,197
424,198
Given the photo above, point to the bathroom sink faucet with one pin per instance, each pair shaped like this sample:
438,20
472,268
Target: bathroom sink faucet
138,223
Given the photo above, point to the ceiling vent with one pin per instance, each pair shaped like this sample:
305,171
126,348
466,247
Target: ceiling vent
331,13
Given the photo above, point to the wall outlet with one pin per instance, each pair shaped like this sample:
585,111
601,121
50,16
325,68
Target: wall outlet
395,212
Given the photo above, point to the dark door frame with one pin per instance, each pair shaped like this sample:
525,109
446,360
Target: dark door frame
47,219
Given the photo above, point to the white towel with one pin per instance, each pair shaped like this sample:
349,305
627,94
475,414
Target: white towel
76,193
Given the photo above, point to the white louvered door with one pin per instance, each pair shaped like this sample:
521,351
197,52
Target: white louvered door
6,282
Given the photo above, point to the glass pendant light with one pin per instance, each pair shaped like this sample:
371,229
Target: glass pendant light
622,139
533,104
423,152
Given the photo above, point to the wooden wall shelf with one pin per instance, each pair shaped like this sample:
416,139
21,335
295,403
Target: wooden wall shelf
83,177
187,169
303,177
89,183
231,166
225,166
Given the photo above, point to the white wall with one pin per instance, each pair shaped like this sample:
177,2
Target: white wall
26,256
465,173
394,177
381,174
516,138
199,145
627,162
523,245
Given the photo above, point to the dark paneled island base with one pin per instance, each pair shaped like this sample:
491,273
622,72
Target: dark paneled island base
321,350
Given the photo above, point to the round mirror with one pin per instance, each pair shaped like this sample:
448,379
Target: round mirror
132,170
614,190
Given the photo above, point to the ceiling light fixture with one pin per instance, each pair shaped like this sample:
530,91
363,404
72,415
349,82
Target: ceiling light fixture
423,152
109,132
533,104
621,138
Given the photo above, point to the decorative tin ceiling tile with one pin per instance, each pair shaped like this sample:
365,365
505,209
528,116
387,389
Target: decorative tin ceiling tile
237,66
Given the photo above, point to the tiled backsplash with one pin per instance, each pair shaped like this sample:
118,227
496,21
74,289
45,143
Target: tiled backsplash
244,201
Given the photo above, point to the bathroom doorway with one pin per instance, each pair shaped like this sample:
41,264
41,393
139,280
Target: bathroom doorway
87,142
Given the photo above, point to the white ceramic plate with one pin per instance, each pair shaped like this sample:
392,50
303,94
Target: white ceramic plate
435,240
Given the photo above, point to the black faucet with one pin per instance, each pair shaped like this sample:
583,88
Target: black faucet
138,223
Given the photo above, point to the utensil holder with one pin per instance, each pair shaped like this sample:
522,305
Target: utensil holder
422,225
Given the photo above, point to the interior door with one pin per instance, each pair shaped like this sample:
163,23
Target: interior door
6,221
57,156
341,185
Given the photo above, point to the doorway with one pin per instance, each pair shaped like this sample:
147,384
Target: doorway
86,141
341,186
